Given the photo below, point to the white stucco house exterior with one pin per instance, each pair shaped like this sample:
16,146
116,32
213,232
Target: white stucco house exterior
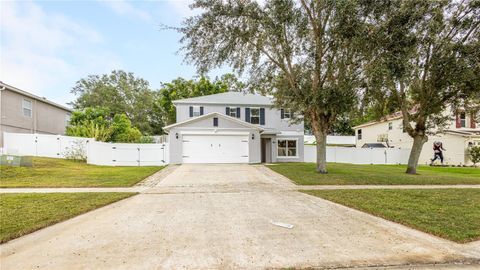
233,127
461,133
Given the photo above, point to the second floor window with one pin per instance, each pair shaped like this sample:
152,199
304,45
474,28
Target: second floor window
27,108
359,134
390,126
255,116
196,111
463,119
285,114
232,111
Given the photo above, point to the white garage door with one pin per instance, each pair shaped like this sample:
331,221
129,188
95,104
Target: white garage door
215,149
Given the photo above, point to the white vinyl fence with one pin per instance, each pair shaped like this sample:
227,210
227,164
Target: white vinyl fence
127,154
97,153
133,154
359,155
42,145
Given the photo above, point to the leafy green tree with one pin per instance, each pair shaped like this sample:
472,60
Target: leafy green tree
306,53
121,93
97,123
424,57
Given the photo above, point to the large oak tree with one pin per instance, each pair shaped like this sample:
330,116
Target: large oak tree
425,58
308,54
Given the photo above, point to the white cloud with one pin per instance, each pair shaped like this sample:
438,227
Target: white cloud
44,52
124,8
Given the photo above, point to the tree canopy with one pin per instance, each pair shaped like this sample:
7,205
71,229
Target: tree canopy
122,93
97,123
424,60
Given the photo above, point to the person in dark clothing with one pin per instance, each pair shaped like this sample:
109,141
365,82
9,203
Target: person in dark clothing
438,152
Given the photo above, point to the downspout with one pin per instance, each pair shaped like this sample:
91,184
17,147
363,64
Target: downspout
34,111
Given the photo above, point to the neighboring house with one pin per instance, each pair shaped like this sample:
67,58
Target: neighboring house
460,134
233,127
22,112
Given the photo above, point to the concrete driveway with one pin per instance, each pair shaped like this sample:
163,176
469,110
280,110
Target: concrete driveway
219,216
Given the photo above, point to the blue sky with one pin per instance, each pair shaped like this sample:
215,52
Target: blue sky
46,46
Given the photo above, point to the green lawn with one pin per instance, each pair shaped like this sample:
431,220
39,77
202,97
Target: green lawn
50,172
351,174
23,213
449,213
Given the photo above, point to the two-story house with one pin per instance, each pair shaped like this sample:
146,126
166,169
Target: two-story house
460,134
23,112
233,127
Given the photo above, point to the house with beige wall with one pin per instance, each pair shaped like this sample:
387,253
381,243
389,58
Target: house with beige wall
23,112
460,134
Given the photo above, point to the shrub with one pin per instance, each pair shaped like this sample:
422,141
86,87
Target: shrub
146,139
76,151
475,154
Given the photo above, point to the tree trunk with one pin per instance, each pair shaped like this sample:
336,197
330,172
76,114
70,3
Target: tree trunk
418,142
321,138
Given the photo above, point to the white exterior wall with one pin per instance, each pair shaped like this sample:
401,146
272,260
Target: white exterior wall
272,115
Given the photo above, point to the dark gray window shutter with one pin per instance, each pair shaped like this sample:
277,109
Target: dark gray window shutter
238,112
191,111
215,122
227,111
282,113
201,110
247,115
262,116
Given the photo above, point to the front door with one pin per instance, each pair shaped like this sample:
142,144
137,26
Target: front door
266,150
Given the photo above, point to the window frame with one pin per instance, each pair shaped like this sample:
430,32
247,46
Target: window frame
287,147
194,111
251,115
234,110
463,121
287,112
24,100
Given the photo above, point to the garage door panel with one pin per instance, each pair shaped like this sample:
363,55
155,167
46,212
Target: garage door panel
215,149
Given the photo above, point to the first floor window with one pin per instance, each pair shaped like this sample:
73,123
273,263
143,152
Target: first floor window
287,148
196,110
255,116
232,112
27,108
359,134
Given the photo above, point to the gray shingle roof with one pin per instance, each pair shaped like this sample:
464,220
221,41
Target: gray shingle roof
229,98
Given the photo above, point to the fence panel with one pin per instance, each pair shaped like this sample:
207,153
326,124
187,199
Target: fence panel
42,145
126,154
360,155
19,144
48,146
